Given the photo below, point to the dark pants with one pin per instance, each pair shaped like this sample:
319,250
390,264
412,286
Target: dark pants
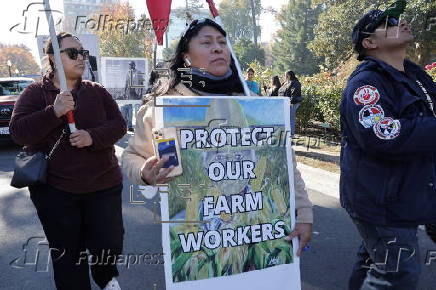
387,259
74,223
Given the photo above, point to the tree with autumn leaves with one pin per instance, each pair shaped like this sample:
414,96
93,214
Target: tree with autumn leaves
21,59
116,42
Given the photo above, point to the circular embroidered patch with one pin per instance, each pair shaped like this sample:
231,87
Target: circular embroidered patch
366,95
387,129
371,115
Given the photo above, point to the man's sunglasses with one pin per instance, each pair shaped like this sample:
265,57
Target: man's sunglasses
392,21
74,52
388,22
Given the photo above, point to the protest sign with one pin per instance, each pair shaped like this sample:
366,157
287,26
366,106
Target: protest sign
225,218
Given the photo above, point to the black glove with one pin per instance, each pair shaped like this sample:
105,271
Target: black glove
431,231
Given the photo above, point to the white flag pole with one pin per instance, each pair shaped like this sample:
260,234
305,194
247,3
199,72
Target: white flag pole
58,62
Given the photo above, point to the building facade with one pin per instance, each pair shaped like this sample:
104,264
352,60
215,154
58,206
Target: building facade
84,8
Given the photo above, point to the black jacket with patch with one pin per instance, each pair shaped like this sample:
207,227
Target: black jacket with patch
388,174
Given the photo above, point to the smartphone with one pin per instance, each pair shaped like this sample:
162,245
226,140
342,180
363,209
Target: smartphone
166,145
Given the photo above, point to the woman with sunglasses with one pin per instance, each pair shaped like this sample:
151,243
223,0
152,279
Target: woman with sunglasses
203,45
80,205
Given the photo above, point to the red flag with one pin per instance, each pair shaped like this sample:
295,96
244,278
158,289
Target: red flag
212,8
159,11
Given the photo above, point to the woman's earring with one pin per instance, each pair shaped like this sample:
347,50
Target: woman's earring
187,62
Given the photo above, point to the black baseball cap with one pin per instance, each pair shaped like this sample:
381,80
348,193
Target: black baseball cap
371,20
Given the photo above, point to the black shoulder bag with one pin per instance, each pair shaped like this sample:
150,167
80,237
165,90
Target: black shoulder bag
32,169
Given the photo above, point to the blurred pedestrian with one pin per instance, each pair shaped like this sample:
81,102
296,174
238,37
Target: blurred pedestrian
251,83
275,86
291,88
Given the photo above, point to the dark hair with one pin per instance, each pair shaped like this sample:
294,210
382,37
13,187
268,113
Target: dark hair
153,83
178,61
154,75
291,75
276,81
48,49
250,70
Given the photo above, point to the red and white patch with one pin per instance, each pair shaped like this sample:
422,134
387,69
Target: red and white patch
366,95
371,115
387,129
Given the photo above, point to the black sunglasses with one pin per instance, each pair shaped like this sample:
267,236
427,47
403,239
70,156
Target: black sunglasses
74,52
388,21
392,21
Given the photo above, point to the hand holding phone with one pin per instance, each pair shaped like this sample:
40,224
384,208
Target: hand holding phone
166,148
151,171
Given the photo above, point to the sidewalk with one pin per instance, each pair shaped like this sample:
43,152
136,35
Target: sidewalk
320,180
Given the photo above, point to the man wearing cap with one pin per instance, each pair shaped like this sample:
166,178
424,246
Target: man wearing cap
388,154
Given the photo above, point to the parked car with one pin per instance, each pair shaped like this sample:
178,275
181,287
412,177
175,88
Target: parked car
10,89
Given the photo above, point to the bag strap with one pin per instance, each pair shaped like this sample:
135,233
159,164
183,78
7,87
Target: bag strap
55,145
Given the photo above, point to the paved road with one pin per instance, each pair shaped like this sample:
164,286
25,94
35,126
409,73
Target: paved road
326,266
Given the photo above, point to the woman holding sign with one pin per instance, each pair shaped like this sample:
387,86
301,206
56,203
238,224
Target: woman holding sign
203,55
80,205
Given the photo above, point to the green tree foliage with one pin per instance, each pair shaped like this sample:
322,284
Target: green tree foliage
418,14
290,50
21,59
237,18
247,52
332,40
115,42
